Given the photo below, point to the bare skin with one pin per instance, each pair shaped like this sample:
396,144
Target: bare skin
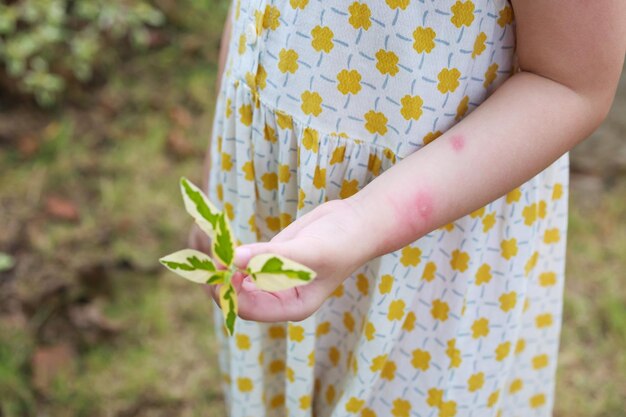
570,54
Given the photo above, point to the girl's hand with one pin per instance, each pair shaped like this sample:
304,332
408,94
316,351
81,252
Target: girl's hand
332,239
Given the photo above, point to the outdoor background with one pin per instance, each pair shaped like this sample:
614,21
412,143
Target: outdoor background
103,106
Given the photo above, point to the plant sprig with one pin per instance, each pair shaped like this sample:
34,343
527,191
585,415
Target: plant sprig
269,271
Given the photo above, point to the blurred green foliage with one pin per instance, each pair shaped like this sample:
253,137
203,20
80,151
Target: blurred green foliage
44,43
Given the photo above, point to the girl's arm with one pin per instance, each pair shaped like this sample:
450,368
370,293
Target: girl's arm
570,53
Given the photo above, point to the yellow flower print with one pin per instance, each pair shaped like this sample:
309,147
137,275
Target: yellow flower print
242,44
394,4
476,382
488,221
305,402
338,155
248,170
310,139
448,80
245,114
462,13
479,44
480,328
386,282
542,209
462,108
409,321
330,394
311,103
424,39
516,386
296,332
269,134
387,62
506,16
360,15
276,332
431,136
373,164
349,188
229,111
276,366
514,195
283,120
287,61
301,197
338,291
478,213
227,162
390,155
557,191
378,363
435,397
362,284
370,330
245,384
537,401
540,361
551,235
490,74
440,310
322,329
547,279
429,271
322,38
270,17
230,211
348,321
298,4
252,223
376,122
531,263
454,354
530,214
396,310
261,77
508,248
460,260
319,177
285,220
421,359
520,346
283,173
354,405
389,371
368,412
447,409
401,408
543,320
270,181
273,223
411,107
493,398
242,341
411,256
277,400
334,355
508,301
503,350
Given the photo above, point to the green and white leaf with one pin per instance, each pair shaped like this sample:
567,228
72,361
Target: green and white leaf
228,303
194,265
272,272
222,245
199,207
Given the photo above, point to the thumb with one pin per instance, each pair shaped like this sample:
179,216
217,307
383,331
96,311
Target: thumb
244,253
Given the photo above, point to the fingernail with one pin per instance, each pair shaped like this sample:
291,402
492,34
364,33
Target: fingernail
242,254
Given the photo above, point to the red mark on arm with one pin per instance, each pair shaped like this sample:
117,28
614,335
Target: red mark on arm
457,142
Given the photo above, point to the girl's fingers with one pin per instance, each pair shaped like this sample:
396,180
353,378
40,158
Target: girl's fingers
293,228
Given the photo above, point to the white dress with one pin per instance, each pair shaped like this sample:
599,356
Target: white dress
320,97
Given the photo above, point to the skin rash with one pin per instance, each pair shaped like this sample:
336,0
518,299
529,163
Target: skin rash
457,142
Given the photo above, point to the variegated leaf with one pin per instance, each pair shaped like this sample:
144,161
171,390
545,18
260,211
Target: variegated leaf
193,265
199,207
272,272
222,245
228,303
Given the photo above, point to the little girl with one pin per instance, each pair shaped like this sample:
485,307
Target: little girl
397,149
